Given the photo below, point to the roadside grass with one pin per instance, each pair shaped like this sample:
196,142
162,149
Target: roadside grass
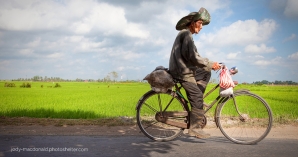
93,100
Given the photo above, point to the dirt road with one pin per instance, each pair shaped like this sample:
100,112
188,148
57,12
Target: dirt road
127,140
284,132
121,126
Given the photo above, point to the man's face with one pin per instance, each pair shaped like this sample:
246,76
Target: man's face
198,26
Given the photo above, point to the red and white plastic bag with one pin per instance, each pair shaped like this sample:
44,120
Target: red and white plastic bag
226,83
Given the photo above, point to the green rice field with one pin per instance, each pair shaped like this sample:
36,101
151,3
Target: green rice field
91,100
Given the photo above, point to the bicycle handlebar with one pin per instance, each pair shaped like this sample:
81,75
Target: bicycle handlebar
233,70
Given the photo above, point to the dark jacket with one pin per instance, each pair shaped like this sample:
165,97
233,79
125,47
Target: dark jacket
185,59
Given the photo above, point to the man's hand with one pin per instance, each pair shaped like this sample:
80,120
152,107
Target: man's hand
216,66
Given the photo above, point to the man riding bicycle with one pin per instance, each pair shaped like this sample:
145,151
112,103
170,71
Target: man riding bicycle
187,65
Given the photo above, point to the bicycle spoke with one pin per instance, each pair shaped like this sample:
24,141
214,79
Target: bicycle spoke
168,104
150,125
151,107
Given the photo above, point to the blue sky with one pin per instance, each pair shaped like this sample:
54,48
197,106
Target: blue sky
88,39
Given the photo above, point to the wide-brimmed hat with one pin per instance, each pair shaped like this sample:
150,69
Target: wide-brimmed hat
202,14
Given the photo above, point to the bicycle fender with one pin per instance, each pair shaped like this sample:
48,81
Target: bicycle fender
242,91
222,100
141,99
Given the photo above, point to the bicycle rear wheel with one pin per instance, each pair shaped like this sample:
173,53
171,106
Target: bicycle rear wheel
149,106
255,121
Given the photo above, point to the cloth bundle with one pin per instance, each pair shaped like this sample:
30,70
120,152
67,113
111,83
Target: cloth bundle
160,80
226,83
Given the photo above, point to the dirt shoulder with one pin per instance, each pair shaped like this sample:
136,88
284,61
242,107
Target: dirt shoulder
122,126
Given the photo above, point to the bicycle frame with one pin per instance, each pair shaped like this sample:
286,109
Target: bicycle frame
209,106
162,116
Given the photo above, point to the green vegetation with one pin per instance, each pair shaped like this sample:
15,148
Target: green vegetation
73,100
265,82
90,100
283,100
26,85
57,85
9,84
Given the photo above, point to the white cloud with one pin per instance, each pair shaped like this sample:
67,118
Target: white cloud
233,55
76,38
26,52
78,62
262,62
293,56
136,30
122,68
210,5
241,33
288,8
4,63
291,9
171,15
293,36
275,61
55,55
131,55
259,56
118,56
34,43
110,20
259,49
82,17
31,14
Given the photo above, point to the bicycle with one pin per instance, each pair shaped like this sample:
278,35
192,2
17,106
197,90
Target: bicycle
242,117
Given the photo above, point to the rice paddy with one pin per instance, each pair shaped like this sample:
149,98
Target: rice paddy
91,100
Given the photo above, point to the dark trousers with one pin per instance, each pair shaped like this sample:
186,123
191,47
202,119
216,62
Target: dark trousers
202,77
195,92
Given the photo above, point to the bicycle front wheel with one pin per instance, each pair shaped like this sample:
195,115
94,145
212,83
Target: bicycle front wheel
244,118
149,106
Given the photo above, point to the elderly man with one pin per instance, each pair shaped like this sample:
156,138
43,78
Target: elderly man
187,65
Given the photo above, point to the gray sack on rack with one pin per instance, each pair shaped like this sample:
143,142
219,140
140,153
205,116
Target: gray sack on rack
160,80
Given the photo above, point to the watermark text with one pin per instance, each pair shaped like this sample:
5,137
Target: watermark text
48,149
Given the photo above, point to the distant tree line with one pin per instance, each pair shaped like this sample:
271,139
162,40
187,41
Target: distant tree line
43,79
111,77
275,82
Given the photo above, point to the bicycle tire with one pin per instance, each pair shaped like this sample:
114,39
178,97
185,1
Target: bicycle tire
255,121
147,108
